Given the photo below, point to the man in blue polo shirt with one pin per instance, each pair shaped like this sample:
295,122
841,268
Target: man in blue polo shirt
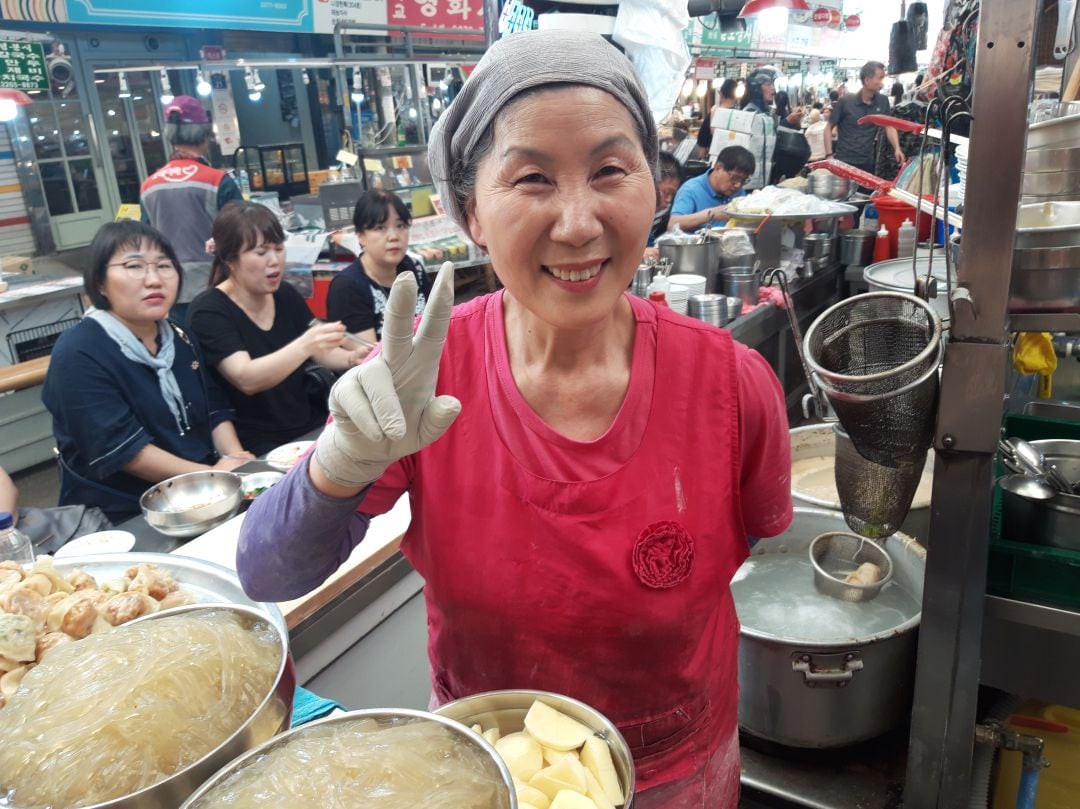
700,200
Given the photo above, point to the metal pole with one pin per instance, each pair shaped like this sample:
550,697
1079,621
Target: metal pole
969,416
491,22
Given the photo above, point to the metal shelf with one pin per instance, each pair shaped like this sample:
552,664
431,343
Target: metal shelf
1031,650
1068,322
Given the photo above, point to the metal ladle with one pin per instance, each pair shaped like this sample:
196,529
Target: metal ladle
1034,463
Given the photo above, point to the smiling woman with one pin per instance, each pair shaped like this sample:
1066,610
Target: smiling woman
554,501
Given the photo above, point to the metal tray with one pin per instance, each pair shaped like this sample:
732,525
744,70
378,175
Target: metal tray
792,217
204,580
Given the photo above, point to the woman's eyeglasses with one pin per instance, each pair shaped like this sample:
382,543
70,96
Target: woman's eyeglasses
137,270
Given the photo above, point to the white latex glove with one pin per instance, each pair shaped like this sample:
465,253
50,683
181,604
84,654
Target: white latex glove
386,409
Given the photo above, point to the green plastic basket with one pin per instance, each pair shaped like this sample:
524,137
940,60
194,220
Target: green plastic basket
1024,570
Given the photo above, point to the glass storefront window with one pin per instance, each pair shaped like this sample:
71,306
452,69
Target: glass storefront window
44,130
57,192
73,128
86,190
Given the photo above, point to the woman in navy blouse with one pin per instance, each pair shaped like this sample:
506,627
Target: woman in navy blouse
131,401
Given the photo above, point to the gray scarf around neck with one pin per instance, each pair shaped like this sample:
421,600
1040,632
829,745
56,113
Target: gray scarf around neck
133,349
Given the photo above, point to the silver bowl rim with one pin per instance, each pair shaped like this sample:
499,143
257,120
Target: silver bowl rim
241,761
608,732
283,666
203,513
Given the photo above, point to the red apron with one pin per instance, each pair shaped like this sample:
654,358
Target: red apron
612,590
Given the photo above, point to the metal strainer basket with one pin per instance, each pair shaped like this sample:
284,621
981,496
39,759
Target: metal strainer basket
875,498
836,554
876,357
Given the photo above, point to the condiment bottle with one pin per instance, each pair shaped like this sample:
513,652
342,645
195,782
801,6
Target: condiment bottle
905,240
15,546
658,297
869,218
881,245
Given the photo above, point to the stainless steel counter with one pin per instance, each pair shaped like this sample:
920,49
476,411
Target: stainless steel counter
865,776
766,329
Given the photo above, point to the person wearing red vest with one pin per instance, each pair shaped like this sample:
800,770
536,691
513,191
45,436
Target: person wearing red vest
182,198
584,468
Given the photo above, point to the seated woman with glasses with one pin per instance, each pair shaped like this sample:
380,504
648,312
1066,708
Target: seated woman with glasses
258,333
131,400
357,296
700,200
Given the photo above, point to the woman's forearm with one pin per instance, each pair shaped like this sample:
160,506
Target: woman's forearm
251,376
226,441
154,464
293,537
9,495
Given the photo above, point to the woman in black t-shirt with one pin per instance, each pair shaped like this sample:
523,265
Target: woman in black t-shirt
255,331
358,295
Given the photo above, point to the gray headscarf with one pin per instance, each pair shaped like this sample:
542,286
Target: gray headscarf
521,62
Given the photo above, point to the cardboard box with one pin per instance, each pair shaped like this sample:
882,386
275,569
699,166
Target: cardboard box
24,265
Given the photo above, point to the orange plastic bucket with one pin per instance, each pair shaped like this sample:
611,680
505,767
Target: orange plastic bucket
892,213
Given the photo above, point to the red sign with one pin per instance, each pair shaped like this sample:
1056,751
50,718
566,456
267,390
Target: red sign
212,53
437,13
821,16
852,22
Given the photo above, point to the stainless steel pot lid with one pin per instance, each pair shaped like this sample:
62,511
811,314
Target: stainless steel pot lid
775,596
896,272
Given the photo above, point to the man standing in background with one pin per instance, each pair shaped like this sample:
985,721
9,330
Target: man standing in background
182,198
855,142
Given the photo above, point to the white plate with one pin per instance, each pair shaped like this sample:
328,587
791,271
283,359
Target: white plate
287,456
98,542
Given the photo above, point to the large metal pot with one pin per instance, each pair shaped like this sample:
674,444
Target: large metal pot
1054,522
810,692
506,710
363,720
857,247
813,478
895,275
696,259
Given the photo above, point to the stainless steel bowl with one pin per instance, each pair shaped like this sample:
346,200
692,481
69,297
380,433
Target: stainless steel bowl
506,710
1055,184
1049,161
381,716
1048,224
251,483
271,717
831,186
191,504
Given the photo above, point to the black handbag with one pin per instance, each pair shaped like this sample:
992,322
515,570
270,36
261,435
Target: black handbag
317,384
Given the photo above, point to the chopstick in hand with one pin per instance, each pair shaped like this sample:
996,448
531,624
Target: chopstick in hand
356,339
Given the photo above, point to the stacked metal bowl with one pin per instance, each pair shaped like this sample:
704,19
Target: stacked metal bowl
831,186
1046,259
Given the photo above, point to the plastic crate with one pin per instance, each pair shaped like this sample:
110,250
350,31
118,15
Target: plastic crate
1024,570
1036,573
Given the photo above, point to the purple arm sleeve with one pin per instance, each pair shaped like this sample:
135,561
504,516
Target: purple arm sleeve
294,537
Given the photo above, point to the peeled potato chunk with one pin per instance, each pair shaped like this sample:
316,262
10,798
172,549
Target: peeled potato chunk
554,729
531,796
566,774
522,754
551,756
596,792
596,756
566,799
491,735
